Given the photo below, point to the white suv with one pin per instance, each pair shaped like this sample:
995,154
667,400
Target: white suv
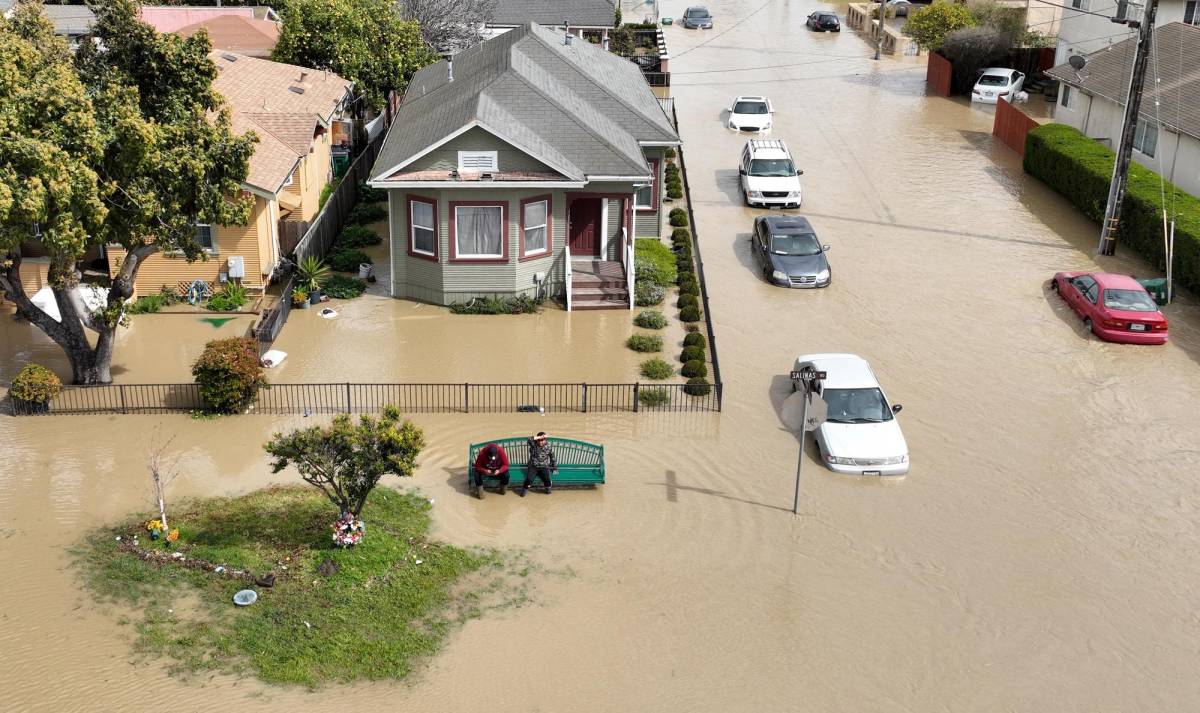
769,178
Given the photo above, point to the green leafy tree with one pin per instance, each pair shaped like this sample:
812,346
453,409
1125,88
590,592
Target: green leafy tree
930,25
346,460
366,41
130,146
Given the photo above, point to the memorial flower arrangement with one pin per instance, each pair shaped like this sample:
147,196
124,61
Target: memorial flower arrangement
347,531
156,528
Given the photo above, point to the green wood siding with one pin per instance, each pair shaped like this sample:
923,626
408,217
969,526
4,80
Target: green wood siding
508,157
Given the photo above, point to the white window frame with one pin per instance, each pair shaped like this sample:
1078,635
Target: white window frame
412,228
212,238
527,227
490,156
1139,137
457,234
1080,4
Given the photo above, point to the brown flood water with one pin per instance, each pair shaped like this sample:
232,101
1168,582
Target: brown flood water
1043,554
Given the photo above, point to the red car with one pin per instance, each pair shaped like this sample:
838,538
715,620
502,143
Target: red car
1114,307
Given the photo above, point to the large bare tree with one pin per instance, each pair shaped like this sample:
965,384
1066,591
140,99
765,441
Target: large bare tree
449,25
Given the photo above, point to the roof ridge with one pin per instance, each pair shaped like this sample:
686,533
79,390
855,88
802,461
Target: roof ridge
272,134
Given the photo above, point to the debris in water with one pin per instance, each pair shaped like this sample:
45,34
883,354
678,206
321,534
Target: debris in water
273,358
329,313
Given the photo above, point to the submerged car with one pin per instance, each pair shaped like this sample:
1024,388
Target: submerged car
997,83
750,114
824,21
697,17
788,252
768,175
860,435
1116,308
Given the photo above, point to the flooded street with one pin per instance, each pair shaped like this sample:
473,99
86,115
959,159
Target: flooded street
1042,554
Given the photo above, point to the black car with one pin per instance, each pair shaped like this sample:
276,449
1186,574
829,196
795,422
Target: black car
788,252
824,20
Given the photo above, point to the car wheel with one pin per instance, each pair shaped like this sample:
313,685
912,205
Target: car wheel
1054,286
1087,324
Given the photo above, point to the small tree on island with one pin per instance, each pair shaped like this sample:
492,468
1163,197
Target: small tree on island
346,460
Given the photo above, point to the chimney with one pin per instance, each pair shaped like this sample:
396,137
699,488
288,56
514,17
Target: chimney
567,33
450,69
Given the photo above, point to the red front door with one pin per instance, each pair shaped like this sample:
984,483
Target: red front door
585,227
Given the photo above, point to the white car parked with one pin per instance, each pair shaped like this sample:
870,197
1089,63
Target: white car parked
750,114
995,83
860,434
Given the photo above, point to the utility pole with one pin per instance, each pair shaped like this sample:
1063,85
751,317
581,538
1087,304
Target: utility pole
879,40
1116,189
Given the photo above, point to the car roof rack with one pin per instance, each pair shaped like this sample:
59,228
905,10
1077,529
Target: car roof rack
768,144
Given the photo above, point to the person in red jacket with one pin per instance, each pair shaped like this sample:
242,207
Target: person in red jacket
492,461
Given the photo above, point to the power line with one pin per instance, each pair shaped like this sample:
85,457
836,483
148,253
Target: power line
757,10
1078,10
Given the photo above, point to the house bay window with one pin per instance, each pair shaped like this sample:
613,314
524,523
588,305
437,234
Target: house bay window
646,197
422,228
479,231
535,227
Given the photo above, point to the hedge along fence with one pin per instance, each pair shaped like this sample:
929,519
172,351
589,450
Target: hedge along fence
1081,168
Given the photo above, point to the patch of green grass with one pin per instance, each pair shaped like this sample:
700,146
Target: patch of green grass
375,618
654,262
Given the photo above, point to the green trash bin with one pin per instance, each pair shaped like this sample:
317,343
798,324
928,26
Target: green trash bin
341,162
1157,287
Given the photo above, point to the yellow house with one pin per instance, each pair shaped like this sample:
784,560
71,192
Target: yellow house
292,110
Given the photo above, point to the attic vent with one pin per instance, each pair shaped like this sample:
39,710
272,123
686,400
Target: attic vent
298,90
229,57
477,161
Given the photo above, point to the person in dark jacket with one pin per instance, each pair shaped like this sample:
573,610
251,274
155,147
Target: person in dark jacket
492,461
541,463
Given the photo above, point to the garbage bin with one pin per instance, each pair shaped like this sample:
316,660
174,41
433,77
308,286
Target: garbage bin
1157,287
341,162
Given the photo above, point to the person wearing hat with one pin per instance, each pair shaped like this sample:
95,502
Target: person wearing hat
492,462
541,463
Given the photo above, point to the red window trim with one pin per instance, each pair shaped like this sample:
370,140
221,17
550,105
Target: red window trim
549,227
503,206
409,200
655,187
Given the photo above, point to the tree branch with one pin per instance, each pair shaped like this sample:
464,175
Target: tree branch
14,291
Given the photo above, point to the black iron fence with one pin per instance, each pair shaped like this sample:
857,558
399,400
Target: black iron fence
273,318
371,398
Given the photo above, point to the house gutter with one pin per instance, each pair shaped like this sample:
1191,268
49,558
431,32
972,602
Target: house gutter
475,184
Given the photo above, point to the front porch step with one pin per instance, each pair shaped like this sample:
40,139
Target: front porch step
591,294
602,304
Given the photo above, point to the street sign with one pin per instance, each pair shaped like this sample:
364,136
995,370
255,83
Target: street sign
817,408
807,374
798,415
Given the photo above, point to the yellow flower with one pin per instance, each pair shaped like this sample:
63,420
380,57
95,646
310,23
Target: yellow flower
154,525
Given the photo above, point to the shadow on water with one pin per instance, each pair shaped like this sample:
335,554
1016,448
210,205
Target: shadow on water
727,181
741,250
673,488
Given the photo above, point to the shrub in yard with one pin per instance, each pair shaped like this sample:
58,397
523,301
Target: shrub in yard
694,368
327,191
697,386
695,339
654,262
654,396
348,260
681,236
684,264
691,354
691,328
364,213
367,194
686,301
690,288
343,287
150,304
678,217
670,152
656,369
231,298
356,236
648,294
650,319
35,383
519,304
689,314
675,193
229,374
645,343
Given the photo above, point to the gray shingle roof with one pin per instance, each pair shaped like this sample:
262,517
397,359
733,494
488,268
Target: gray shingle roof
576,108
1174,51
70,20
590,13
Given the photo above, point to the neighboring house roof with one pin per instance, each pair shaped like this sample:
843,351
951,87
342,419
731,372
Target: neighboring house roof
70,20
589,13
576,108
1175,62
263,97
169,18
238,33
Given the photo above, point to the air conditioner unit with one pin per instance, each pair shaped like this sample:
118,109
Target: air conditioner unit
237,267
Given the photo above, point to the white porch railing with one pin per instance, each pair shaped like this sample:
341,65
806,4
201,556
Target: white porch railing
627,257
567,273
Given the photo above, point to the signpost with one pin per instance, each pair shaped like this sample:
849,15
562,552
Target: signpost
812,410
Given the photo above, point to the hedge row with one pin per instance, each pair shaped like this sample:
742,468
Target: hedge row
1080,169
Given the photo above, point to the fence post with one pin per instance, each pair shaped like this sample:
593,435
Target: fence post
121,387
585,398
348,398
466,398
635,396
720,388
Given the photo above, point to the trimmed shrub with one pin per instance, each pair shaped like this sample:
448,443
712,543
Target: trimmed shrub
670,152
684,267
1080,169
697,386
654,262
650,319
35,383
692,354
645,343
364,213
681,236
654,396
675,193
695,339
685,278
694,368
230,299
689,314
678,217
344,287
229,374
674,180
648,294
686,301
355,236
348,260
656,369
519,304
690,287
367,194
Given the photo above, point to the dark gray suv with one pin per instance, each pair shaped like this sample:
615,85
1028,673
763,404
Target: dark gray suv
697,17
788,252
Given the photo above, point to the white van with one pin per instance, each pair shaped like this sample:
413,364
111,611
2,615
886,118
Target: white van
768,175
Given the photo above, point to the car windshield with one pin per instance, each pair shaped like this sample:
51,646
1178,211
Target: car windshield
856,406
993,80
795,244
826,16
697,12
750,108
772,167
1131,300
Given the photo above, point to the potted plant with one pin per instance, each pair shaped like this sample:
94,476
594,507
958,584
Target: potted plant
300,298
313,272
33,387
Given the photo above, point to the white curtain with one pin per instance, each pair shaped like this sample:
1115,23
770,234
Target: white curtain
478,230
535,227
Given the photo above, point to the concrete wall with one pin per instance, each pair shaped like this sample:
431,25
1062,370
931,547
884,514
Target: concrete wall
1080,33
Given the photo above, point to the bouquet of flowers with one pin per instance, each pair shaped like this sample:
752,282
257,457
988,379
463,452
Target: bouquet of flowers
156,528
347,531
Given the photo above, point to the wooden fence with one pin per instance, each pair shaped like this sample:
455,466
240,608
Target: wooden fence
332,217
1012,125
939,75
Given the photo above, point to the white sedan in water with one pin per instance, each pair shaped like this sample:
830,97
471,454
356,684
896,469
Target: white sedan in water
996,83
860,435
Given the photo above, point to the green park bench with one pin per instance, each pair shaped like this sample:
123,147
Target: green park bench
580,463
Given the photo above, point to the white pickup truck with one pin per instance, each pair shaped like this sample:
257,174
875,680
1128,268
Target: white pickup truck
769,177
